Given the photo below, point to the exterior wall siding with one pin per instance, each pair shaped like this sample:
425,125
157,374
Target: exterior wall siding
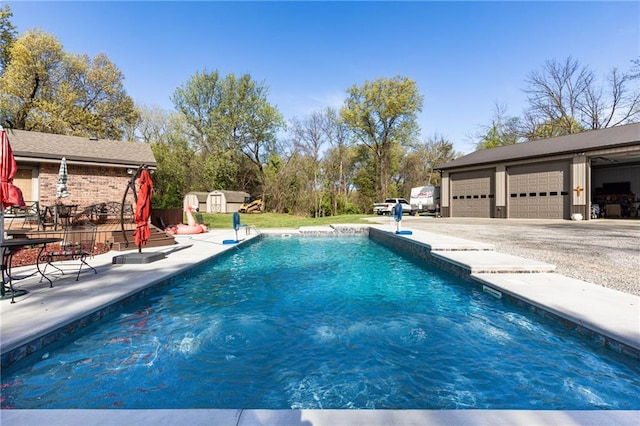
445,195
87,185
500,211
579,185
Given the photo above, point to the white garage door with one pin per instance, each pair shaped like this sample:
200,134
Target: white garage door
539,191
472,193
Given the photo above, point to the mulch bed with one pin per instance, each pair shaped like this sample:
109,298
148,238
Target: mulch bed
27,256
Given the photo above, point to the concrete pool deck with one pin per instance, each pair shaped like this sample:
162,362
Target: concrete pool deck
44,310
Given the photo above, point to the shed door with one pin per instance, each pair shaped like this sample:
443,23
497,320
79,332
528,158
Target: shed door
472,193
539,191
217,204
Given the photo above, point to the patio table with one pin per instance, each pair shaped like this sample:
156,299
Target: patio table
62,214
9,247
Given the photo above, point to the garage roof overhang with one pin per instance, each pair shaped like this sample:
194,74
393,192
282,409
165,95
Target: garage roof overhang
614,145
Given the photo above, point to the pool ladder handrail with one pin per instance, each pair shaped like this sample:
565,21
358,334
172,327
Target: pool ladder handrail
248,229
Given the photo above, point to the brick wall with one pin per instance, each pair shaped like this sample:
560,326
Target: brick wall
87,185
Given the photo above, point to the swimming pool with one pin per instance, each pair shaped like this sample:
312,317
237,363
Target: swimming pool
324,323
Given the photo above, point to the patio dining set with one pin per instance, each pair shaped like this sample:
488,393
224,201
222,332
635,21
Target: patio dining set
77,244
59,216
73,238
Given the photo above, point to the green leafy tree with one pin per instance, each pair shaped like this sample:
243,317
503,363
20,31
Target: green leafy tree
382,114
251,119
46,89
176,159
91,98
285,183
169,180
504,130
200,101
231,123
180,167
8,35
197,100
277,182
364,179
29,79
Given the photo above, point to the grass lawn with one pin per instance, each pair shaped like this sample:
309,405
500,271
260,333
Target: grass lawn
276,220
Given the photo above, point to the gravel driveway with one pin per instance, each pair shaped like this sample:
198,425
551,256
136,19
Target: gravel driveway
604,251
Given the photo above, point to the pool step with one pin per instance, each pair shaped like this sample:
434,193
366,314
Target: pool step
487,262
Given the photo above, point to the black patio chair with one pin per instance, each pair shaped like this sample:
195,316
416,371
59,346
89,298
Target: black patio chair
28,216
47,219
78,243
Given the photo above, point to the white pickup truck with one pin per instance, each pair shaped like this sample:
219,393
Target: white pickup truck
389,203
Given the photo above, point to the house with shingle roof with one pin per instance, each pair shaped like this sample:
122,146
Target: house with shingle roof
556,178
98,170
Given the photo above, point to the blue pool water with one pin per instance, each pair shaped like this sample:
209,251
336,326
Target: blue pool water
324,323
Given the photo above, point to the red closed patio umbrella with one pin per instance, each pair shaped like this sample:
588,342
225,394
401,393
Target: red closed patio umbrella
10,195
143,209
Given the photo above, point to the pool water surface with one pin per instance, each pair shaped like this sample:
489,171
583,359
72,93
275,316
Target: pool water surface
324,323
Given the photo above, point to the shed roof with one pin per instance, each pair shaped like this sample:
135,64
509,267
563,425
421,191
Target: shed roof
592,140
37,146
232,196
200,196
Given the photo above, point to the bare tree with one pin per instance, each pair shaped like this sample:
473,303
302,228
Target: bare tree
565,98
308,139
150,126
503,130
635,68
420,165
611,106
338,161
554,96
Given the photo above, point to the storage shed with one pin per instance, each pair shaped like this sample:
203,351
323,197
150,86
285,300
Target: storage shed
196,199
560,178
225,201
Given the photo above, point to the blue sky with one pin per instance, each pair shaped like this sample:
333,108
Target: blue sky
464,56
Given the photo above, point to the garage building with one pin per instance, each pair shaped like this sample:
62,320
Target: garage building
547,179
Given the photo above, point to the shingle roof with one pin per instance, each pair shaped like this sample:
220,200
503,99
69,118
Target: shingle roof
200,196
233,196
47,146
582,142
